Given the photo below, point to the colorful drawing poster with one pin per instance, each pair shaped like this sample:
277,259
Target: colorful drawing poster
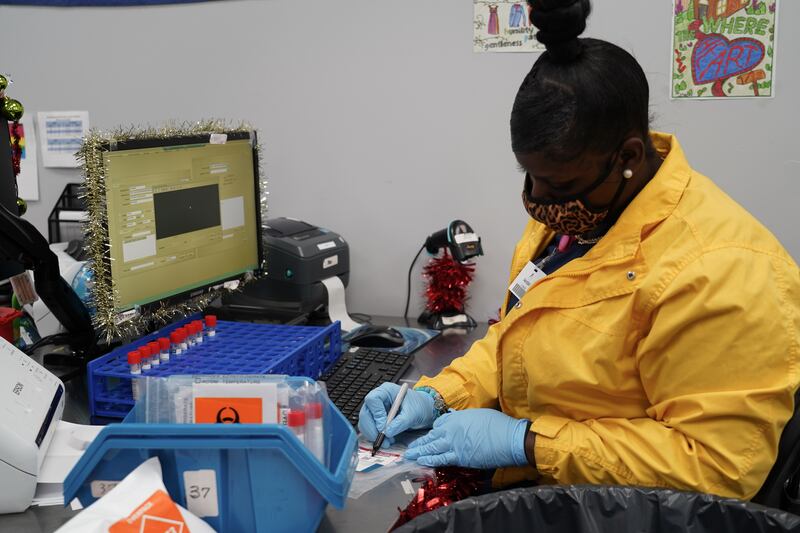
723,48
28,179
504,26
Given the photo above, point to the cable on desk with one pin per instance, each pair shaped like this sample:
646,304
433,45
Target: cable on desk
46,341
408,292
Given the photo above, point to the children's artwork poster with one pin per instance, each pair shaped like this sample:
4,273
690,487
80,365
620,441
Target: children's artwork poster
28,178
62,134
723,48
504,26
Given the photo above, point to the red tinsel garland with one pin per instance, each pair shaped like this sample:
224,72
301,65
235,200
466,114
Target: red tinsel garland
16,149
446,486
447,283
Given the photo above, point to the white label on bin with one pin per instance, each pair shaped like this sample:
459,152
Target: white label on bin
327,244
101,488
201,492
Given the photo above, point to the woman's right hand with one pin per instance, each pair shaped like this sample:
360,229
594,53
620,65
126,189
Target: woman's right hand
416,412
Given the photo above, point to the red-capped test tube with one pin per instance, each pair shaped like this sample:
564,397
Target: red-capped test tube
198,330
155,353
184,333
211,325
191,334
145,353
296,421
135,362
175,338
163,343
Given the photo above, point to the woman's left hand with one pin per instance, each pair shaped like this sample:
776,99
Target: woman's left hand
472,438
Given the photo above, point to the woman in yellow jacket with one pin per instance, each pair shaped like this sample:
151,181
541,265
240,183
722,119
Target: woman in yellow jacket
650,334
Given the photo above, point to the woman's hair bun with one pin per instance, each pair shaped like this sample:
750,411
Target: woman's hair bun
560,22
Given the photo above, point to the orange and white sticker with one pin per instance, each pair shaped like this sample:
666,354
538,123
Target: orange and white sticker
228,411
158,514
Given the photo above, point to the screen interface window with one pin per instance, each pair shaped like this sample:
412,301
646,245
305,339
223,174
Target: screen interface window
179,217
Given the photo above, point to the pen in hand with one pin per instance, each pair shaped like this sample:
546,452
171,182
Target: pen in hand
398,400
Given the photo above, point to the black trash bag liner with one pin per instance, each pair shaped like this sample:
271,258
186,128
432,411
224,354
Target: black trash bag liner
603,509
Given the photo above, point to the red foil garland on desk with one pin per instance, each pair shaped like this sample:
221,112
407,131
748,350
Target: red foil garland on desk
447,283
446,486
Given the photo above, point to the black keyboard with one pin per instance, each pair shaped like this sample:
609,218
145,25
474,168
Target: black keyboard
357,372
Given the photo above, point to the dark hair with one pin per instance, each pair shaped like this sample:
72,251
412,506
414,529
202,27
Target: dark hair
581,94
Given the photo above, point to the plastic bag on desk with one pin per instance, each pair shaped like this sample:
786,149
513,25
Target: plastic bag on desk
373,471
137,503
296,402
176,399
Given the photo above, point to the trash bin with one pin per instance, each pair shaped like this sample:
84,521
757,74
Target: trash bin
603,509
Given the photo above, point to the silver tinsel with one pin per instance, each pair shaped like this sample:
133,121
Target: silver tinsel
110,323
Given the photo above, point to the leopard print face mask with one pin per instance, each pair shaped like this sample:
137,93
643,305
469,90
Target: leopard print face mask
570,216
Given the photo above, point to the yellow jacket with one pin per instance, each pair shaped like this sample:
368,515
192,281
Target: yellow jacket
666,356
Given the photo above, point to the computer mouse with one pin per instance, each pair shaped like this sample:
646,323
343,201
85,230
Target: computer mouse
377,337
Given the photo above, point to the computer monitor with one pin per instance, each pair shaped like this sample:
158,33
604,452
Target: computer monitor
183,215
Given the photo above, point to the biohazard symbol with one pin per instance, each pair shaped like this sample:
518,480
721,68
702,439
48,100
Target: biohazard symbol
228,411
228,415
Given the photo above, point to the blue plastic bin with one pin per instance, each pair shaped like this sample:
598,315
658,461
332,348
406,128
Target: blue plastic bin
237,348
266,479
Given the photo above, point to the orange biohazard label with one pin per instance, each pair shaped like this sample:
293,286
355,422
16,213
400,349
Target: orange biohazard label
158,514
228,411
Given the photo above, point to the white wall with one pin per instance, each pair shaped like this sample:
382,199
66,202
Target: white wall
378,120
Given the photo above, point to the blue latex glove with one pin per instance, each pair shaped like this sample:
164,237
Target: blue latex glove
416,412
472,438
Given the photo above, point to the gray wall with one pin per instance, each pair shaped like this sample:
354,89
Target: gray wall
377,118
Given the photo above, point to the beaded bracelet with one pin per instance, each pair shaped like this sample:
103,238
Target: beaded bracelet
438,402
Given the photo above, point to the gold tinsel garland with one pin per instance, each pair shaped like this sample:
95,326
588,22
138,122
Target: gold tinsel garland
110,323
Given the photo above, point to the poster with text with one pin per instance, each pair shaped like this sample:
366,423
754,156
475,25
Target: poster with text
723,48
504,26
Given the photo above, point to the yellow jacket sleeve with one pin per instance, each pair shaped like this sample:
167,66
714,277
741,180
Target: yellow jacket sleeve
715,367
470,380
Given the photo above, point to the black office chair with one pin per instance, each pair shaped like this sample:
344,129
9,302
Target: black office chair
782,487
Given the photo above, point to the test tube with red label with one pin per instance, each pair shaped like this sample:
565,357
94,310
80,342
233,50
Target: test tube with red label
296,421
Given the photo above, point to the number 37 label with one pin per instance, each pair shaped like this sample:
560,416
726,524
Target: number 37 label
201,492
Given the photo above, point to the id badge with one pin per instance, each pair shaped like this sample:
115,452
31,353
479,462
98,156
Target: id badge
526,279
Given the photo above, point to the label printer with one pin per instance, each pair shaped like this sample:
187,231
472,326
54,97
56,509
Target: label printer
299,256
31,405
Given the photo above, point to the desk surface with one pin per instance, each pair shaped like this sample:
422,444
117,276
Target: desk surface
373,511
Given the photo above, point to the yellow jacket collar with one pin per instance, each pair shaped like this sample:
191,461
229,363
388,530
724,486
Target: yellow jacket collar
655,202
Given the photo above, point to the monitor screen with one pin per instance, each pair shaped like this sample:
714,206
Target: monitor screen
180,217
